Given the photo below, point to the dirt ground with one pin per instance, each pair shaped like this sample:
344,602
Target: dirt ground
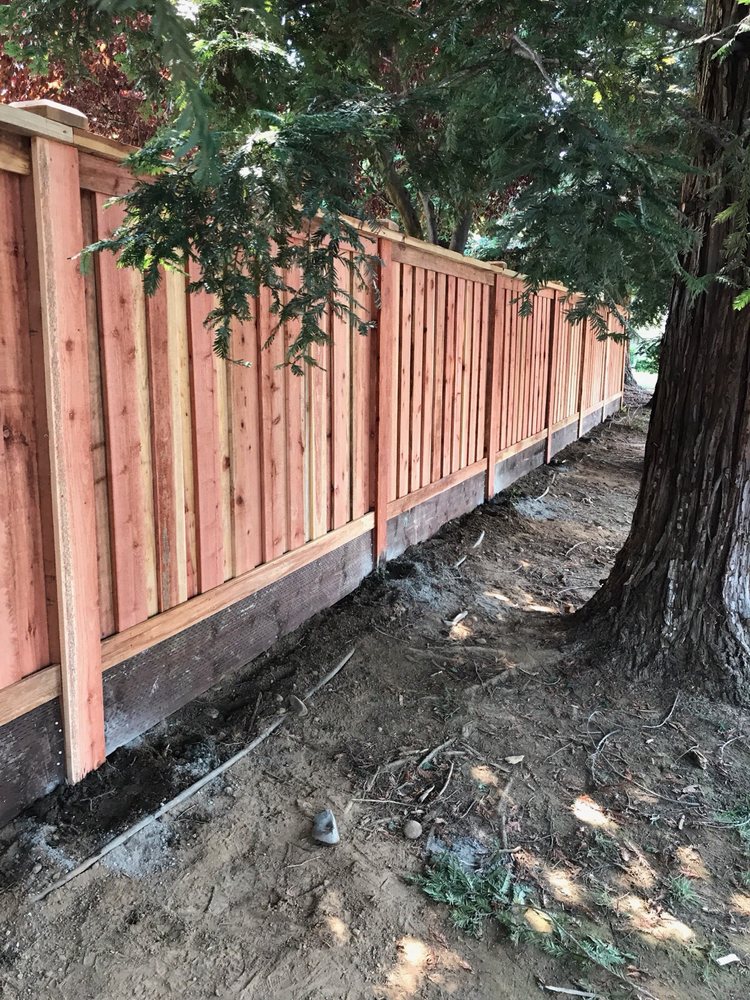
613,814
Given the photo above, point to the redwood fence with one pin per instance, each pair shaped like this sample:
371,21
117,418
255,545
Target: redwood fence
152,497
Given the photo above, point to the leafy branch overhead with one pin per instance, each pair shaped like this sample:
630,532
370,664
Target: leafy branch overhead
554,139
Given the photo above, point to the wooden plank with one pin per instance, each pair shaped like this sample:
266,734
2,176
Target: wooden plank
319,443
29,693
15,154
387,333
166,453
341,405
495,344
296,434
582,374
428,397
553,386
476,362
405,382
103,176
460,334
121,322
135,640
449,376
111,149
364,397
483,370
24,644
223,403
467,363
34,313
417,380
396,507
60,237
273,424
441,287
22,122
207,441
426,255
98,435
246,475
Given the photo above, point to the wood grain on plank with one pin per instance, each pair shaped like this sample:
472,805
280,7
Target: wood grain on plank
449,375
441,288
417,380
98,434
24,645
63,302
166,452
122,336
428,396
341,402
390,283
207,441
405,381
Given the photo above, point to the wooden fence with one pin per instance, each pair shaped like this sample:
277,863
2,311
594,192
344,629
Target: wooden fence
148,487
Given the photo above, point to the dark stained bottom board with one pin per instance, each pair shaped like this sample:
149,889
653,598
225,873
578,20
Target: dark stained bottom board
151,686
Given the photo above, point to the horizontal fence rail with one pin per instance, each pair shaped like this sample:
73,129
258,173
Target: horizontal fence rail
147,485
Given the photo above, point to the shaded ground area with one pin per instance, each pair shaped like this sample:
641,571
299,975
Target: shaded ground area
589,833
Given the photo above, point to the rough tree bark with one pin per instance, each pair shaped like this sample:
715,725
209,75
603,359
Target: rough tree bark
630,378
678,598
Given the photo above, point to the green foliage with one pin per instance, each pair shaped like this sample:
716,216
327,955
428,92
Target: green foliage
555,135
647,355
738,818
493,894
681,892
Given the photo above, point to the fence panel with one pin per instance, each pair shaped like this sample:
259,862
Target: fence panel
203,482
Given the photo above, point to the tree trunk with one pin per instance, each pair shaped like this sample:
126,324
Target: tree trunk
461,231
678,597
400,198
630,379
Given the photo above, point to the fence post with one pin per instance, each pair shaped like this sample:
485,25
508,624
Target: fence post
551,373
492,409
66,374
584,338
388,318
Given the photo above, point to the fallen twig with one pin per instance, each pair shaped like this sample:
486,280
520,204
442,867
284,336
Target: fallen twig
479,541
447,781
188,792
433,753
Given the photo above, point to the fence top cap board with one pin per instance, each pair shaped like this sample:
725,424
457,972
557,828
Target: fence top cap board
54,112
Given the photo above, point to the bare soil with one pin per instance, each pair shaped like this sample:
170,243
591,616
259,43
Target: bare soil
618,805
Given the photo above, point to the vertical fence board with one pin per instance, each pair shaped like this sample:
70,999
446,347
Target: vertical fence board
404,394
98,435
318,416
441,290
466,364
23,616
458,374
483,369
417,379
207,442
166,456
295,425
122,338
429,378
273,431
341,392
363,401
496,337
63,305
387,409
247,508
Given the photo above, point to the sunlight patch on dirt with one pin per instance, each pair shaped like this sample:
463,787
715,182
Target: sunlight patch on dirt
591,813
660,925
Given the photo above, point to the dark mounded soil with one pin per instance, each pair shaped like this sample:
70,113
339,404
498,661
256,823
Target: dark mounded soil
620,806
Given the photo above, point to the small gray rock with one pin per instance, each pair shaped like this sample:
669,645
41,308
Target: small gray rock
325,828
412,829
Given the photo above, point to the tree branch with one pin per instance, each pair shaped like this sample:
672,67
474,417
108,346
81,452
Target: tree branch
430,218
400,198
461,231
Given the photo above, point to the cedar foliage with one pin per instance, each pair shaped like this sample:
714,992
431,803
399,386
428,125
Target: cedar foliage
553,136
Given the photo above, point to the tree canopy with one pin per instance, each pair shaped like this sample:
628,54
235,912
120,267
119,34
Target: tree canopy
551,136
